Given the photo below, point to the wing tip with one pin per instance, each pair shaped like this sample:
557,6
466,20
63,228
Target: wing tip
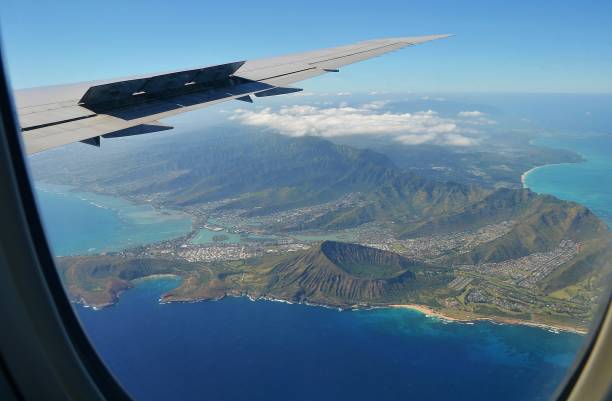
413,40
423,39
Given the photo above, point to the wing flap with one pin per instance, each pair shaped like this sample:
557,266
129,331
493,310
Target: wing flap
87,132
52,115
114,95
154,126
278,90
56,116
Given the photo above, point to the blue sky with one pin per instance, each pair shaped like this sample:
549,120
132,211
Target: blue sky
501,46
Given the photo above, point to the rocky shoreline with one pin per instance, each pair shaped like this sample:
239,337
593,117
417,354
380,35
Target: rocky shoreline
429,312
424,309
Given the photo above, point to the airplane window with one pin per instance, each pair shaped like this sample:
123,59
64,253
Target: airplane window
231,223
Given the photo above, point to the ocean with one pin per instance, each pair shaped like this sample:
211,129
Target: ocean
78,223
237,349
588,183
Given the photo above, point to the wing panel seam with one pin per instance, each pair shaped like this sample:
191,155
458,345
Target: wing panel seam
33,127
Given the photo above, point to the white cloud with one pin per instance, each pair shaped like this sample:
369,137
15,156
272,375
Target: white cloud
368,119
343,94
415,139
375,105
442,139
474,113
437,99
480,121
476,117
458,140
302,94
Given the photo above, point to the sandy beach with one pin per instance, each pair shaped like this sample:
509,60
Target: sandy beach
525,174
429,312
531,170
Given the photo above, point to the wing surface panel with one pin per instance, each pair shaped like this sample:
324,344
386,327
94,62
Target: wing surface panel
59,115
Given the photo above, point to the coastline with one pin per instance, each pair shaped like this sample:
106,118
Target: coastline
429,312
525,174
423,309
135,222
531,170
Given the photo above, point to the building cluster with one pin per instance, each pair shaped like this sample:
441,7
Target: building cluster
243,220
216,253
433,247
530,269
460,282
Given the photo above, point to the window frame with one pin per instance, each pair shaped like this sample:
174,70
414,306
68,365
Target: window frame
47,355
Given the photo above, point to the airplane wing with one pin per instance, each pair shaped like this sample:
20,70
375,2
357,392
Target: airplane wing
58,115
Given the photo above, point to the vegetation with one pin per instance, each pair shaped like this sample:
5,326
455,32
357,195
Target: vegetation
257,174
331,273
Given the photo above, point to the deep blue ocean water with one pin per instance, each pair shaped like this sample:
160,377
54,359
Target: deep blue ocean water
236,349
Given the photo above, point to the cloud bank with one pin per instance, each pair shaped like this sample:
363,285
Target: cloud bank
474,113
423,127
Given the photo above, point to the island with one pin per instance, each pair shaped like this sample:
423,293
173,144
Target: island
321,223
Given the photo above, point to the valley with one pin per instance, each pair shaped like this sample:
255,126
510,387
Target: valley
305,220
296,266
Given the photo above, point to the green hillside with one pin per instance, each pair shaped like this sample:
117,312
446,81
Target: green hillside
256,174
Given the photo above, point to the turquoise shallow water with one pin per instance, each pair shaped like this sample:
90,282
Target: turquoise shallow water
206,236
588,183
81,223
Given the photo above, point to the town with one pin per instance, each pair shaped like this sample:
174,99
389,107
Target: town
232,236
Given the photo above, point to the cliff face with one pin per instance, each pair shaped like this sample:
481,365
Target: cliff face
331,273
342,274
98,280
